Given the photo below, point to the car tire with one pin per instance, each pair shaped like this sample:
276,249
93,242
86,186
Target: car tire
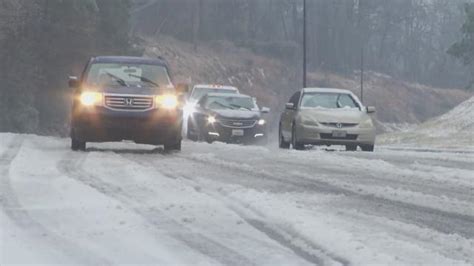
77,145
351,147
294,140
281,140
175,146
368,148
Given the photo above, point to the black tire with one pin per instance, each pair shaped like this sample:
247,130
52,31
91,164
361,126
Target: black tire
175,146
351,147
189,134
281,140
294,141
368,148
77,145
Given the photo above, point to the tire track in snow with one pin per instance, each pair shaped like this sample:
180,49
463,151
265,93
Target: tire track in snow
12,207
72,167
439,220
301,246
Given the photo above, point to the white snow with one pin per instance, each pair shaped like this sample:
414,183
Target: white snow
454,129
121,203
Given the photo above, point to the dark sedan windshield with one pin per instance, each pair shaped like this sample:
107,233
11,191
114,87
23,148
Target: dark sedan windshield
201,91
122,74
230,103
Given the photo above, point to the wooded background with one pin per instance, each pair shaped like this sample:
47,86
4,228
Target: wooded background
43,41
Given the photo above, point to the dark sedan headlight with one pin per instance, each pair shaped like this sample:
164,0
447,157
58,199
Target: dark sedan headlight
211,120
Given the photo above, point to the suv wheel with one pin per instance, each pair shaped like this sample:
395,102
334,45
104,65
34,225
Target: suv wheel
351,147
369,147
281,140
294,141
77,145
173,146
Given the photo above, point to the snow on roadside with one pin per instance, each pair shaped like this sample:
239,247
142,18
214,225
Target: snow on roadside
455,129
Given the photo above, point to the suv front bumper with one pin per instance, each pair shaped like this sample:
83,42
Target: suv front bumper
150,127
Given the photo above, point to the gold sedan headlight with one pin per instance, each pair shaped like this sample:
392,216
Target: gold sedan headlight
367,123
167,101
90,98
308,121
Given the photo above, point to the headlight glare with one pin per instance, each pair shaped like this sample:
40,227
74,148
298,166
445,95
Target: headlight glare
89,98
189,108
261,122
167,101
211,120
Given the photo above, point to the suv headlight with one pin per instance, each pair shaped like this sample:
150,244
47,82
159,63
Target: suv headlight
167,101
261,122
90,98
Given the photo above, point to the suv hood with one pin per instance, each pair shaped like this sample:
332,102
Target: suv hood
321,115
239,114
145,91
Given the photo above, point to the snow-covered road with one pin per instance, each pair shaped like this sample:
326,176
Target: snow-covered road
219,204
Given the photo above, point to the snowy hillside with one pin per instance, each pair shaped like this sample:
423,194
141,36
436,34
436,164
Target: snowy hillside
453,129
273,81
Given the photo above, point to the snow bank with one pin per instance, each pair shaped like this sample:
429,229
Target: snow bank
452,130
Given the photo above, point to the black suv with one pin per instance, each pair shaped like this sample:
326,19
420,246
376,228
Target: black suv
125,98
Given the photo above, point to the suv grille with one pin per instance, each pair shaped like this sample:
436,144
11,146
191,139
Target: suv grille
123,102
237,123
340,125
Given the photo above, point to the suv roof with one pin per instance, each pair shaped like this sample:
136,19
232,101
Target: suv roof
130,59
215,86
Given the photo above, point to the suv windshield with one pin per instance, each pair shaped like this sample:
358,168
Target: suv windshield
328,100
122,74
201,91
231,103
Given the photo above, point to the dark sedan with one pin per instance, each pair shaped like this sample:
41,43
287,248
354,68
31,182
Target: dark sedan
228,118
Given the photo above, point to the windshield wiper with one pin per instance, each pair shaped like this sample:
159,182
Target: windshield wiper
240,106
144,79
119,80
224,105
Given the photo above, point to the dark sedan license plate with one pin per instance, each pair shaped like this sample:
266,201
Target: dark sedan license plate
339,134
238,132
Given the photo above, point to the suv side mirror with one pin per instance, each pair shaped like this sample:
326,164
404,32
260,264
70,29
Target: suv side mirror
290,106
265,110
370,109
74,82
182,88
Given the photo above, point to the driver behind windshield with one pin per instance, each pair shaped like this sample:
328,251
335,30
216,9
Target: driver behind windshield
127,75
231,103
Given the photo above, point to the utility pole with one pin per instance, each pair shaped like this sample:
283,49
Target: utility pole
304,44
362,35
362,73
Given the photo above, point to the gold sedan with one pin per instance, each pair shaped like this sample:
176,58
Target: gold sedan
316,116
